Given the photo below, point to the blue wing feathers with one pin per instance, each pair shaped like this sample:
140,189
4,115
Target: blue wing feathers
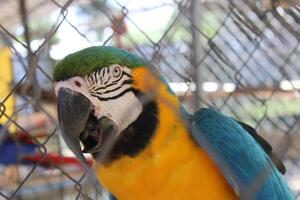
240,158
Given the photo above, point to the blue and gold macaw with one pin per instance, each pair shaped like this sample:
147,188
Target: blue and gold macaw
123,113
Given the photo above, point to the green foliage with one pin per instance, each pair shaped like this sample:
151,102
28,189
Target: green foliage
275,108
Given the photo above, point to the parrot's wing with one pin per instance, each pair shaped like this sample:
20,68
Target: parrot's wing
240,158
265,145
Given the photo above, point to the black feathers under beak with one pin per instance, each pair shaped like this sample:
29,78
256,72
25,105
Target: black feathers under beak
73,112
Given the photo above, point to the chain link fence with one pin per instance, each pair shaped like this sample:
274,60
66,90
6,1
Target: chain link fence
240,57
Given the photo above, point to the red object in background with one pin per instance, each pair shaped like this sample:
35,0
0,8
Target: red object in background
24,137
51,159
119,27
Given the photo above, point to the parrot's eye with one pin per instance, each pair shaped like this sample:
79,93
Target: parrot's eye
117,71
77,83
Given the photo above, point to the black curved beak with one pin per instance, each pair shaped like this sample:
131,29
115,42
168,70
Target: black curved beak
73,113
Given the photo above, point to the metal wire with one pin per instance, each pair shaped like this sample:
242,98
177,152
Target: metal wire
242,58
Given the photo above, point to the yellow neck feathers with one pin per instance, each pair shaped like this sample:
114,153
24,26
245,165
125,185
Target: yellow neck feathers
168,106
171,166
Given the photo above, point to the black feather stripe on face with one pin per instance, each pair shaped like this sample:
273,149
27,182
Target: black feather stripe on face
105,85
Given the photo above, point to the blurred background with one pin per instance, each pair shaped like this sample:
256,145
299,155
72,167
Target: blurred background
240,57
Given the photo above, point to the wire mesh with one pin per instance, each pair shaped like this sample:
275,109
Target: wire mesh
235,56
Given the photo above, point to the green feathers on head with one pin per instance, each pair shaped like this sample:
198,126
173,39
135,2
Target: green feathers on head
85,61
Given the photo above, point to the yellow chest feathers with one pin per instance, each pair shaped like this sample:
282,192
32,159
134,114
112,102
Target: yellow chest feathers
174,168
171,166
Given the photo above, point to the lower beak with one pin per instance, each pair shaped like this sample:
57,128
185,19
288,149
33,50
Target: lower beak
98,134
73,112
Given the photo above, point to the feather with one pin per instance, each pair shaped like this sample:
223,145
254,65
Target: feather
84,62
265,145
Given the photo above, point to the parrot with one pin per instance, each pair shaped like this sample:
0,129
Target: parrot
116,106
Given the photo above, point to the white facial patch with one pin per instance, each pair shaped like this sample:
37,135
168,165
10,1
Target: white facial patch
109,90
77,84
123,110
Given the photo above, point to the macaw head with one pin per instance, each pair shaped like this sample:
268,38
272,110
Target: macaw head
110,101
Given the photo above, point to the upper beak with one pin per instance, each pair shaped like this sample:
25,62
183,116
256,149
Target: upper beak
79,124
73,112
